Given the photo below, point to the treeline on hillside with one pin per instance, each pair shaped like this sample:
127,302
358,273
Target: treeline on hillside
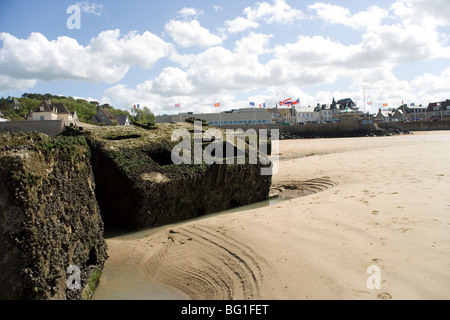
85,109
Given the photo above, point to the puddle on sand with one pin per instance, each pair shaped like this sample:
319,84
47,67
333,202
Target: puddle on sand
122,281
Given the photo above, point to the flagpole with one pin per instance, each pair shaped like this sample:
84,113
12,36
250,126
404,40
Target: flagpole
364,96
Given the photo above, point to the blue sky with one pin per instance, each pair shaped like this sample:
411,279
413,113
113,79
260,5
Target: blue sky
197,53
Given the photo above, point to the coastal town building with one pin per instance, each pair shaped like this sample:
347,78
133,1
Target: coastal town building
384,115
13,103
52,111
308,115
402,113
438,110
104,117
413,113
233,117
123,120
284,115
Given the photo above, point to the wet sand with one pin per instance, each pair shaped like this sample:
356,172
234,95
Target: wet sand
378,201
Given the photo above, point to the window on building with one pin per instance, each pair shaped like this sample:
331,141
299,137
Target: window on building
42,118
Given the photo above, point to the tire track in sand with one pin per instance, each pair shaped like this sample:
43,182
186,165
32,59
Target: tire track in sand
302,188
206,263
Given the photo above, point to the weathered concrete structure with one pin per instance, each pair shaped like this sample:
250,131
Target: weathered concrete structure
139,186
49,217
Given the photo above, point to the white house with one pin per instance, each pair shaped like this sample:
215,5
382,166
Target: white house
52,111
308,115
123,120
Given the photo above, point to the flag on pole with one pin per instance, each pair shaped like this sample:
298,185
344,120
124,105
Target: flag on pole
438,104
217,104
369,103
138,106
288,101
252,104
264,105
385,105
281,103
412,104
177,105
296,102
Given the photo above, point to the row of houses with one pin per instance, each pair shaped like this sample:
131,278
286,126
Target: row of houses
334,112
433,112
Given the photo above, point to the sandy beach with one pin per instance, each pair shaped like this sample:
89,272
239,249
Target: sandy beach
378,201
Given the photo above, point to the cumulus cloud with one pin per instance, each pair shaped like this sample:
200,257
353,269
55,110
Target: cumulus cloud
107,58
334,14
188,13
188,34
240,24
213,69
92,8
264,12
278,12
426,13
433,86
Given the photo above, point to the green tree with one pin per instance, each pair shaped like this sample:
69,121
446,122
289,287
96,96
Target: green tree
144,115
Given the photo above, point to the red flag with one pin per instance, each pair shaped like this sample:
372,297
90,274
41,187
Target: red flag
217,104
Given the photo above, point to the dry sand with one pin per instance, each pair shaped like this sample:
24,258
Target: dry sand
381,201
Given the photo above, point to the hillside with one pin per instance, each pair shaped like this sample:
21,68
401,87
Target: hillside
85,109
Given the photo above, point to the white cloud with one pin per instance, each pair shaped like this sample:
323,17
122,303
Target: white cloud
423,12
264,12
188,34
260,65
170,82
11,83
188,13
107,58
93,8
333,14
255,43
278,12
434,87
217,8
240,24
